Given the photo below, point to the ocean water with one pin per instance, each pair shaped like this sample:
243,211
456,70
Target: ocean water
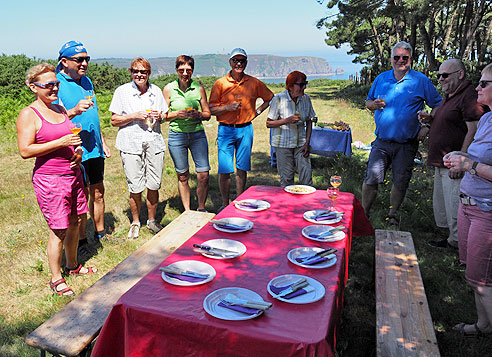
309,78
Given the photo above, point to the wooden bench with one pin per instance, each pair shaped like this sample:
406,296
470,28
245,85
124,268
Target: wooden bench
403,320
73,328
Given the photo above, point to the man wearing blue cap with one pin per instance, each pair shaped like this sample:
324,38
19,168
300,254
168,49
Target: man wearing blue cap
76,94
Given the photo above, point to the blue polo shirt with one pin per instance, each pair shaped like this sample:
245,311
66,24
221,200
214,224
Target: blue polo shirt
69,95
398,121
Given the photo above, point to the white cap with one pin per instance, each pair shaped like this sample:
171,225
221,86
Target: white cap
238,51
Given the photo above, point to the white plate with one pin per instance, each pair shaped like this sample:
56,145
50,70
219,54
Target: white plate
211,303
316,229
283,280
235,220
306,252
194,266
309,216
262,205
299,189
228,244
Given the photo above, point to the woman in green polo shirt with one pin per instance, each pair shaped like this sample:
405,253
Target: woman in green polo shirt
185,98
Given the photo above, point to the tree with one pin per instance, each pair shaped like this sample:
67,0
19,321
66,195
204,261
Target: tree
436,30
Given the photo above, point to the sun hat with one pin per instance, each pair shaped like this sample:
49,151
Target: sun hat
238,51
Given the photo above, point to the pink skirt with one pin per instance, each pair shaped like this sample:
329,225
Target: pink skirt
59,197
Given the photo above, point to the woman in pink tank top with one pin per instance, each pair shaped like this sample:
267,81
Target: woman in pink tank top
43,132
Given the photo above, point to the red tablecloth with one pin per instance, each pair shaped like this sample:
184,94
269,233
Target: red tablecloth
158,319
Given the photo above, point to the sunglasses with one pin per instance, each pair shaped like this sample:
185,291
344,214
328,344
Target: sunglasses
183,70
446,75
80,59
302,84
483,84
397,58
141,71
239,60
48,85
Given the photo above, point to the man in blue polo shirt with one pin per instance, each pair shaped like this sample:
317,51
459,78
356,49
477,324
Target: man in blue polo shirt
76,94
396,97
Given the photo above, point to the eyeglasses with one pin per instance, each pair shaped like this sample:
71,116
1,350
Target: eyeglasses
446,75
397,58
79,59
141,71
48,85
239,60
483,84
183,70
302,84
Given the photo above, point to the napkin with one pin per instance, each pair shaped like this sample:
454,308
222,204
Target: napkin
326,234
315,261
190,279
278,289
231,226
322,216
243,309
247,204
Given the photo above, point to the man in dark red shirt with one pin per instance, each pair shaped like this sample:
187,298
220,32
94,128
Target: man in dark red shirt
451,128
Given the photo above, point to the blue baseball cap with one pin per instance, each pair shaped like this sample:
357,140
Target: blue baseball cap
238,51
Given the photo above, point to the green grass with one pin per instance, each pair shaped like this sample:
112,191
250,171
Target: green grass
26,302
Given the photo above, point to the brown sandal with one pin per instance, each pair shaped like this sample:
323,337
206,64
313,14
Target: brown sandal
54,287
76,271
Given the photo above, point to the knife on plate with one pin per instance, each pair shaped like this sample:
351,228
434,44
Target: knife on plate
226,224
320,254
209,249
329,233
183,272
246,204
299,284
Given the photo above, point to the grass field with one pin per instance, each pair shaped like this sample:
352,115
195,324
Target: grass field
26,301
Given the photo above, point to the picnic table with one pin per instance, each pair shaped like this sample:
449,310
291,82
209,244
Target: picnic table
156,318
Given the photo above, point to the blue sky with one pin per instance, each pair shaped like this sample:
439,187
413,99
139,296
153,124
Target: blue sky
110,28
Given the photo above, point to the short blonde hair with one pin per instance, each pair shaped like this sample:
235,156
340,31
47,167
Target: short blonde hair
487,69
33,73
141,61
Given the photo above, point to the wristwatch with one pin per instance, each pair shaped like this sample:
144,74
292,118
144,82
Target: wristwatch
258,111
473,170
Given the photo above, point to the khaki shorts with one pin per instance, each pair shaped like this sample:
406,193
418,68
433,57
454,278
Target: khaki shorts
143,170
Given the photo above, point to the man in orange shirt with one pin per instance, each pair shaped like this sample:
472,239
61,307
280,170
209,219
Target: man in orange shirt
233,102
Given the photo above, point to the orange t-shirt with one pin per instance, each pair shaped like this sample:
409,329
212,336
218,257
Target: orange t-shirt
227,90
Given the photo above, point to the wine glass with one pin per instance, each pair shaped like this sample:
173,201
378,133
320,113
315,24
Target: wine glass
89,95
382,97
335,181
75,127
333,193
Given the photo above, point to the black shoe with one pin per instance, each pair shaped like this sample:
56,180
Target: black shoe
441,244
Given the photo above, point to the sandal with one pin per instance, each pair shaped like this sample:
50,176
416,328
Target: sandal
392,220
76,271
64,291
477,332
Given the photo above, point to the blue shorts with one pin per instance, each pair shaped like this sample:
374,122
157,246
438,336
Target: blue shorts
179,143
238,140
399,156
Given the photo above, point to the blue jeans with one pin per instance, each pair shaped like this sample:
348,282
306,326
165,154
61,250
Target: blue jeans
234,140
196,142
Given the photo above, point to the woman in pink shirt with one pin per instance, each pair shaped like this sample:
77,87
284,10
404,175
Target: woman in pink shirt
44,132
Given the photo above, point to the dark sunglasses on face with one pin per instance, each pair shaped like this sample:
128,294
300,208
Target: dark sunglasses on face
48,85
397,58
183,70
239,60
483,84
446,75
80,59
302,84
141,71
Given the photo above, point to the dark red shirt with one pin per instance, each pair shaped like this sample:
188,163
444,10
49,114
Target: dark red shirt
448,129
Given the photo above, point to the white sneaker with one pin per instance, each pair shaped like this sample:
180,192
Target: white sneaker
134,230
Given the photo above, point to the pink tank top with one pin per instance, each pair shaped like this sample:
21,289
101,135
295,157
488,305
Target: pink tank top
58,161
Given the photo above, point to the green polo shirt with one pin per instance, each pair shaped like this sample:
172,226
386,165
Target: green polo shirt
181,100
